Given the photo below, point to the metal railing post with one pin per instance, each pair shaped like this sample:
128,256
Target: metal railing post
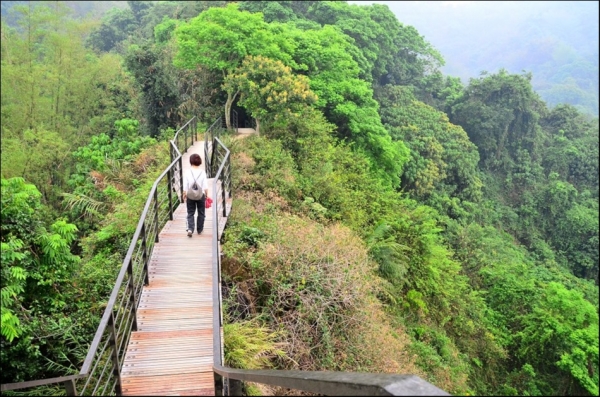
223,196
115,354
132,296
181,179
235,387
194,132
170,189
70,388
229,175
206,160
185,144
156,213
145,254
187,132
213,161
218,384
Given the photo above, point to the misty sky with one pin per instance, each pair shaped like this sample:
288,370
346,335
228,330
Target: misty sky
463,30
555,41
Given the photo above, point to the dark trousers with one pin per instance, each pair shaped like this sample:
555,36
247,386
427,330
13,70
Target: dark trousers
192,205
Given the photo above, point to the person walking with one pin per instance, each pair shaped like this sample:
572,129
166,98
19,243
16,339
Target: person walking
195,192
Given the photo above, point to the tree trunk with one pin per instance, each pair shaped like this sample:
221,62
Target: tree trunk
30,50
56,109
228,105
257,126
227,113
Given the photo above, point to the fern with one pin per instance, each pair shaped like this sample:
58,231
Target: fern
13,278
10,325
85,205
388,253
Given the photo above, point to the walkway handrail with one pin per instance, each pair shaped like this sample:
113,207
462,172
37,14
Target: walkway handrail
101,370
67,381
215,130
333,383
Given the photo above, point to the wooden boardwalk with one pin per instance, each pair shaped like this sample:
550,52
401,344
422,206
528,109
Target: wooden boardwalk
172,352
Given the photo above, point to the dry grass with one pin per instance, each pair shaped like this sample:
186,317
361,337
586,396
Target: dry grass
317,284
145,161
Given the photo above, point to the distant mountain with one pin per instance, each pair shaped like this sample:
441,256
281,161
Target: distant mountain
557,41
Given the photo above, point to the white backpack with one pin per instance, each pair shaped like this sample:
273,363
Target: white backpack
195,191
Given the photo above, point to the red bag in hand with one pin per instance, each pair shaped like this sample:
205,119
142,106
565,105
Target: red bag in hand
208,202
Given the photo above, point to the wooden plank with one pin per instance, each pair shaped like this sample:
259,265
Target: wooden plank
169,383
166,335
192,344
174,313
177,366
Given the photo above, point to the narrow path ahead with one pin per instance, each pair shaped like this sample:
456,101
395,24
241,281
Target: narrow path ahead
172,351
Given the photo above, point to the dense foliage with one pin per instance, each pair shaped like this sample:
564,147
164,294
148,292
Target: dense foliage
387,218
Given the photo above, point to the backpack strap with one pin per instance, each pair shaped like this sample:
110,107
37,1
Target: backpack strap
195,177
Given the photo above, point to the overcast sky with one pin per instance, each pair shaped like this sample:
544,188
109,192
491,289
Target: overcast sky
462,30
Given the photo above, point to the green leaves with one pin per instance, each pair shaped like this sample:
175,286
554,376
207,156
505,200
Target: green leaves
346,100
220,38
35,264
13,285
116,26
500,113
562,329
391,256
269,90
10,323
443,162
164,30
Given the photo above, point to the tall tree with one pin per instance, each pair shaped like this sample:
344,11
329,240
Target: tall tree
220,38
55,95
443,161
269,89
115,27
500,113
325,55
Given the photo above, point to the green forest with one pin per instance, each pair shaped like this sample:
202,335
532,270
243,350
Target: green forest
387,217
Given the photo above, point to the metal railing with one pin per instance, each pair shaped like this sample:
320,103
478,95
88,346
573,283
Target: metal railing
331,383
233,120
215,130
101,370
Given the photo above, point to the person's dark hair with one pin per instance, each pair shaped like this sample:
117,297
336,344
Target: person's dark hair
195,159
